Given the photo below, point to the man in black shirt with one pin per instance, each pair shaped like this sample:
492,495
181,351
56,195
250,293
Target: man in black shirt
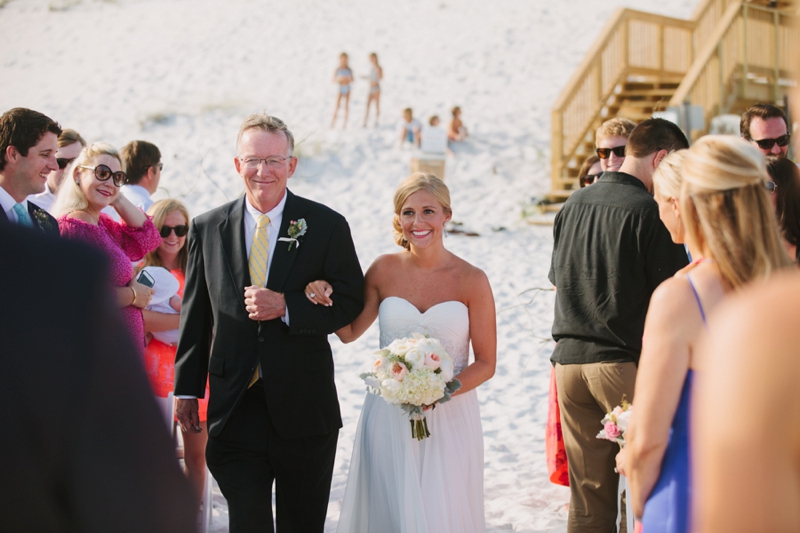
611,251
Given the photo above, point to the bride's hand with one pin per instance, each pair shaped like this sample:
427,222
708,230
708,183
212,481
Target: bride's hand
318,292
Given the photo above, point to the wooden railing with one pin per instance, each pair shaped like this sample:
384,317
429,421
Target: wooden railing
631,43
750,55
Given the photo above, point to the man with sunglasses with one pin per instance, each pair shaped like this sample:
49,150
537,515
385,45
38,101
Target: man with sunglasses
143,165
28,146
610,140
610,252
70,144
766,127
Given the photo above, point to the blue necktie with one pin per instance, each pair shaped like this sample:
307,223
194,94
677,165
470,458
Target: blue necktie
23,219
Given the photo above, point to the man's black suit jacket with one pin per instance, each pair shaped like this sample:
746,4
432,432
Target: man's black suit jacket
84,446
219,339
41,219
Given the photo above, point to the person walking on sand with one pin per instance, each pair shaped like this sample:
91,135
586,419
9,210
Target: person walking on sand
375,77
343,77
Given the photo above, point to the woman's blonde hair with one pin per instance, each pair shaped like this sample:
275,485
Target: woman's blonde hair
159,212
667,178
418,181
724,207
70,196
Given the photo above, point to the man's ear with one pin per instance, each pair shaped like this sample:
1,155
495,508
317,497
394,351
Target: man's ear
12,154
660,155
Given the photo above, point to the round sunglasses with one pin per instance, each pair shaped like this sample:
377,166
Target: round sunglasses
180,231
103,173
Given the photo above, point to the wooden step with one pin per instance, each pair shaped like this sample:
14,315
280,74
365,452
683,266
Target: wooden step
645,92
645,104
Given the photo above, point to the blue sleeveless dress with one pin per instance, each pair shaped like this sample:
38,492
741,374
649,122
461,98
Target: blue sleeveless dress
668,508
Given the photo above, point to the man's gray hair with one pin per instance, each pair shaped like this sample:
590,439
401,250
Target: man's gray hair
265,122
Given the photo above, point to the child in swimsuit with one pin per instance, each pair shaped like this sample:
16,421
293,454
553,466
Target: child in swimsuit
375,76
409,128
344,77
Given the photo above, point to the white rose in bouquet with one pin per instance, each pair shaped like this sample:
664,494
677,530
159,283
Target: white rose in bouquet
414,357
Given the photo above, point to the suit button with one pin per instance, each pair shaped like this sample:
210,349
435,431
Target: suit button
261,339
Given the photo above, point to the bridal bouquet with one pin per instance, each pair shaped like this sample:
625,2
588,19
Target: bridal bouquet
615,423
412,373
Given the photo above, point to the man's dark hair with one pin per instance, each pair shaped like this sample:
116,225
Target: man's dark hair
138,157
655,134
786,176
763,111
22,128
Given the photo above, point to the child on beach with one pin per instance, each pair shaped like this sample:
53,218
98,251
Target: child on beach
409,128
165,300
375,77
456,131
343,76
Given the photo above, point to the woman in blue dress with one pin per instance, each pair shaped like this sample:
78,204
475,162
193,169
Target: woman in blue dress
723,185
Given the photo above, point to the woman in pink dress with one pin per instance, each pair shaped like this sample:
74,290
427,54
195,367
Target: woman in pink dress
91,184
171,218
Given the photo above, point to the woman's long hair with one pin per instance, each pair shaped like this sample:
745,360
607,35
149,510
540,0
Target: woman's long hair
786,176
725,208
159,212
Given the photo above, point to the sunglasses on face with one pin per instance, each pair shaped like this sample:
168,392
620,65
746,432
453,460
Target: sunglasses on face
103,173
180,231
605,153
63,162
588,179
770,186
767,144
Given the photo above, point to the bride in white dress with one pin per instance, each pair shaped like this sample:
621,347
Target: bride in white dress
396,483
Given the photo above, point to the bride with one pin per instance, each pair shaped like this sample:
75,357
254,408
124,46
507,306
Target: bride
396,483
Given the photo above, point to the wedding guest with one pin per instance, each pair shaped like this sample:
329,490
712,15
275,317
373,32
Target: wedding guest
590,171
83,446
610,252
375,77
142,162
766,127
744,413
171,218
28,146
343,77
784,190
610,141
456,131
723,183
409,128
93,185
70,143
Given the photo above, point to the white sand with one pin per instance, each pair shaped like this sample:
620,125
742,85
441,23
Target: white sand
183,74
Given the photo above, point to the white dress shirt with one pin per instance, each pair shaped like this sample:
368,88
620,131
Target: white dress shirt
7,203
138,195
45,199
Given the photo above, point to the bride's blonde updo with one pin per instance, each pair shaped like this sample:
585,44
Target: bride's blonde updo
418,181
725,207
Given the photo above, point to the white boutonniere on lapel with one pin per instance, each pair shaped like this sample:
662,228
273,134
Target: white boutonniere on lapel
297,228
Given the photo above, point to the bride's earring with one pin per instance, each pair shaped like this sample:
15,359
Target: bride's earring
444,228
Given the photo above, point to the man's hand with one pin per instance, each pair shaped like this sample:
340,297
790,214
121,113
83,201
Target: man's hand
186,411
264,304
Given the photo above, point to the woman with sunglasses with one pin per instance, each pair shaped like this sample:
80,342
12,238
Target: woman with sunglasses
172,220
723,184
591,170
92,184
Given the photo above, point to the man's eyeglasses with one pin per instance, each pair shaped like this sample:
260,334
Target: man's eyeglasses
103,173
588,179
770,186
605,153
767,144
180,231
63,162
273,161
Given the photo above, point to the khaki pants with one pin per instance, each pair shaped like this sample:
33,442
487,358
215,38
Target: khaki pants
585,394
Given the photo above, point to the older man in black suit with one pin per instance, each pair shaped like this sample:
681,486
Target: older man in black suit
27,156
273,414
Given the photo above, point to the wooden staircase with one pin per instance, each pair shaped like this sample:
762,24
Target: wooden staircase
730,54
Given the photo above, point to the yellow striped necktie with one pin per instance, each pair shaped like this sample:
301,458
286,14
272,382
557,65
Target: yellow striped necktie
258,261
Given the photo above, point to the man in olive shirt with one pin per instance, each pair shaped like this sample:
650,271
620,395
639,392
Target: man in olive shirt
611,251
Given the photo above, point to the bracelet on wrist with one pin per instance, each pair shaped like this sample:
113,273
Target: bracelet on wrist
134,295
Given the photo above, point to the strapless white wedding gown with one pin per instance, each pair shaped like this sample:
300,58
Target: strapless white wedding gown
397,484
